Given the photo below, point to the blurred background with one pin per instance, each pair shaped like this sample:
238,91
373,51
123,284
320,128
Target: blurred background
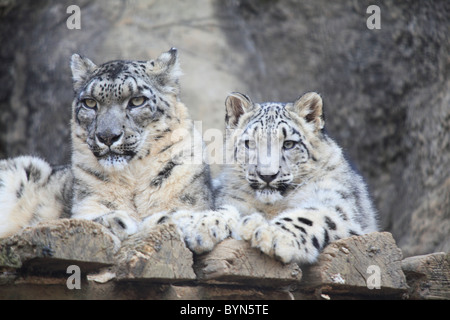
386,91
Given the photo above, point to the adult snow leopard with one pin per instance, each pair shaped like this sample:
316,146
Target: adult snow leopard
289,180
132,154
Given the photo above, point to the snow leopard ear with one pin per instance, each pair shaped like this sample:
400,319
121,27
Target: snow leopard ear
166,71
236,105
82,69
309,106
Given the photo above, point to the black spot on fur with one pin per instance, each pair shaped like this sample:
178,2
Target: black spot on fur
315,243
33,173
162,220
330,223
19,192
237,198
163,174
81,192
341,213
356,193
254,185
326,238
202,174
165,148
188,199
287,230
120,223
93,173
300,228
199,240
110,205
303,240
114,69
305,221
283,188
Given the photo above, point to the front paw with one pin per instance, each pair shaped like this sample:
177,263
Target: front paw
155,219
119,222
277,243
248,224
203,230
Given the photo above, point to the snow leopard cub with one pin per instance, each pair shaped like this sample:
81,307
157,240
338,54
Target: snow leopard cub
290,181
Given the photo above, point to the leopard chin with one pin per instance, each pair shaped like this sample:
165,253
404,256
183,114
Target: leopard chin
114,161
268,195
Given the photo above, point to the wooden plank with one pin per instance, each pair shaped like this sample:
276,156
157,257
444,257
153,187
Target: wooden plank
235,262
367,265
428,276
160,255
51,247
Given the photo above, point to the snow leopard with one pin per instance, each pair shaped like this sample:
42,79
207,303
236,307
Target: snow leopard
288,180
32,191
131,165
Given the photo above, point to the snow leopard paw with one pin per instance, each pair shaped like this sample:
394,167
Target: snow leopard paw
155,219
277,243
248,224
203,230
119,222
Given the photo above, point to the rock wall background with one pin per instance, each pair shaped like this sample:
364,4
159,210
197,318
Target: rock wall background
386,92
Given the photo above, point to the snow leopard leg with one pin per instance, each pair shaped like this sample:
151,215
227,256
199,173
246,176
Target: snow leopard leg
297,235
31,191
119,222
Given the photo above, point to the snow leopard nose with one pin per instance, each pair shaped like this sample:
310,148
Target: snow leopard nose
108,138
267,178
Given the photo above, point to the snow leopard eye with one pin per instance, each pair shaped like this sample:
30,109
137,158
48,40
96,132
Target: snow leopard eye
89,103
137,101
289,144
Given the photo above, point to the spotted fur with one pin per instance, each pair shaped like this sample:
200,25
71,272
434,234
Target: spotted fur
132,154
289,180
129,164
31,191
